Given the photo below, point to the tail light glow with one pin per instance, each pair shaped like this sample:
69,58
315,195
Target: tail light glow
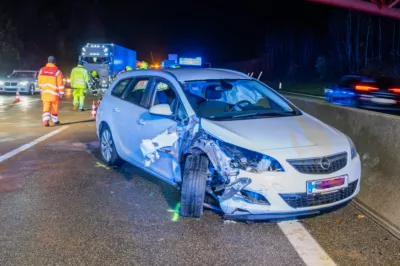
395,90
365,88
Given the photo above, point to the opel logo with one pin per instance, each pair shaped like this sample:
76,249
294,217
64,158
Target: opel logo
325,163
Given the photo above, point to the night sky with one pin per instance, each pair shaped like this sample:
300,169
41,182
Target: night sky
220,31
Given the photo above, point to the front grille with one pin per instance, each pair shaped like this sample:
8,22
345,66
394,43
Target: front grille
11,83
303,200
314,165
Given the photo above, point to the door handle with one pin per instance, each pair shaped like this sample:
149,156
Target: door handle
142,122
116,110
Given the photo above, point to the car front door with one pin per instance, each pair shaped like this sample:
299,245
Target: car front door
154,132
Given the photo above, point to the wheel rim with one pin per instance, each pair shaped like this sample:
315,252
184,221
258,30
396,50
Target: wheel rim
32,89
106,145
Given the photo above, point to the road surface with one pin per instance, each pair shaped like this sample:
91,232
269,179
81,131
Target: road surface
59,205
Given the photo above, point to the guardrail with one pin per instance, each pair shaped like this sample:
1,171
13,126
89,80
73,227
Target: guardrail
377,139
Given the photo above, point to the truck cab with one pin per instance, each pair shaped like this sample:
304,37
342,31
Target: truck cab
108,60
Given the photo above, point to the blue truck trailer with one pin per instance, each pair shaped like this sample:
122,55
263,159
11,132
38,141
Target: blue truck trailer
107,59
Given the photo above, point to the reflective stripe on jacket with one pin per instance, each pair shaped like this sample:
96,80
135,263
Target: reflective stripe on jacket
79,77
50,82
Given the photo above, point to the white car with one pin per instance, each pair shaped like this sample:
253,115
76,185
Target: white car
228,141
25,81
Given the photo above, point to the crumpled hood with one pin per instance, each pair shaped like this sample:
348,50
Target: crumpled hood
275,133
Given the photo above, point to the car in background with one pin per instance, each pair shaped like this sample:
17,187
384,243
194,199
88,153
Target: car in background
375,93
25,81
228,142
67,82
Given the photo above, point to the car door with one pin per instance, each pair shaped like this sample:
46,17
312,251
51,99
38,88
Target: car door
154,131
127,113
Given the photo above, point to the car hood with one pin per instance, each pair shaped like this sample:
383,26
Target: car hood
275,133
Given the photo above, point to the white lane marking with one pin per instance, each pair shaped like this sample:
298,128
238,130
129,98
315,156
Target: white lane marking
30,144
305,245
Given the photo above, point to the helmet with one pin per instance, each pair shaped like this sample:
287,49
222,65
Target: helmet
94,73
128,68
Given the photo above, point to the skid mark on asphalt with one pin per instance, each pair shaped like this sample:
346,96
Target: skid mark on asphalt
305,245
31,144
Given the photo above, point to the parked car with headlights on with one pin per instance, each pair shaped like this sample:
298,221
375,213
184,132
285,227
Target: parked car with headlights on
25,81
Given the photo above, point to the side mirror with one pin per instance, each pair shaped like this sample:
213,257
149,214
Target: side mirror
161,109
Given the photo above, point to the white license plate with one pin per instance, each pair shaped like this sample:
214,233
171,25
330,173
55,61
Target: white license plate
327,185
381,100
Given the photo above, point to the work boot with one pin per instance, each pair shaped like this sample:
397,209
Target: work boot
46,124
81,109
57,123
75,107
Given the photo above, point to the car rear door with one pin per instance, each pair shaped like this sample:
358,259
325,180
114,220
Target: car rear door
127,114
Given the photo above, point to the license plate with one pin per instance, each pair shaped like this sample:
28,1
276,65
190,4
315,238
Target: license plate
327,185
382,100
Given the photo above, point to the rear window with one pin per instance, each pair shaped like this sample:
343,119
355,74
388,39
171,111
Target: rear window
120,87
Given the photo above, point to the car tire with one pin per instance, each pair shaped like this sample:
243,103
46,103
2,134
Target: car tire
31,89
107,147
194,185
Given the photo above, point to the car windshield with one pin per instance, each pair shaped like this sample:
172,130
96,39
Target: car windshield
24,74
235,99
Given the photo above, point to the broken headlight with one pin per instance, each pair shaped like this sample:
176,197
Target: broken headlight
249,161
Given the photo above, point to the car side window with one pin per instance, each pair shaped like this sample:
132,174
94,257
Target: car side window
120,87
164,94
135,95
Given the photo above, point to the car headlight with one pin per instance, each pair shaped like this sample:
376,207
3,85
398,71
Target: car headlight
353,150
23,83
247,160
1,83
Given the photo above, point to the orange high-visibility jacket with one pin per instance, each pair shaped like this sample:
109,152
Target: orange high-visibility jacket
51,83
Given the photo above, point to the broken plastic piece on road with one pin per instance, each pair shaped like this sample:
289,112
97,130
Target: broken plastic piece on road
359,217
98,164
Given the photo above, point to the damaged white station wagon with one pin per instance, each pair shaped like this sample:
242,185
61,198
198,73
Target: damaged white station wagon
228,141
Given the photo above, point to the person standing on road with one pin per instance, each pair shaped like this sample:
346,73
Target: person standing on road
51,84
95,82
79,83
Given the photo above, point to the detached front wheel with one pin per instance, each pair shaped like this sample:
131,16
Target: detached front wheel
194,185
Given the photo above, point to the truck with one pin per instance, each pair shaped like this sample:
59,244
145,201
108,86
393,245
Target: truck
107,59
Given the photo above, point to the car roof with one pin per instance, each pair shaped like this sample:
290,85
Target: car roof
25,70
190,74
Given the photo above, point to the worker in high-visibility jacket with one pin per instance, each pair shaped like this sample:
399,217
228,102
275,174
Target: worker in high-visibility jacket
51,84
79,83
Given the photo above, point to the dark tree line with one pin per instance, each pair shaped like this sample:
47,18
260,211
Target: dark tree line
29,33
351,43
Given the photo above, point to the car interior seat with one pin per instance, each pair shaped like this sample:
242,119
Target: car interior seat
212,105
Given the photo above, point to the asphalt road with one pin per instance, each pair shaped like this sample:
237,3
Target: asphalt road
59,205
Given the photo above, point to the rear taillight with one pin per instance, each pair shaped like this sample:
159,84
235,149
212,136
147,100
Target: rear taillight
365,88
395,90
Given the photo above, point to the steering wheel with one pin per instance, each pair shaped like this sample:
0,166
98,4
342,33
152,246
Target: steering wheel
240,104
